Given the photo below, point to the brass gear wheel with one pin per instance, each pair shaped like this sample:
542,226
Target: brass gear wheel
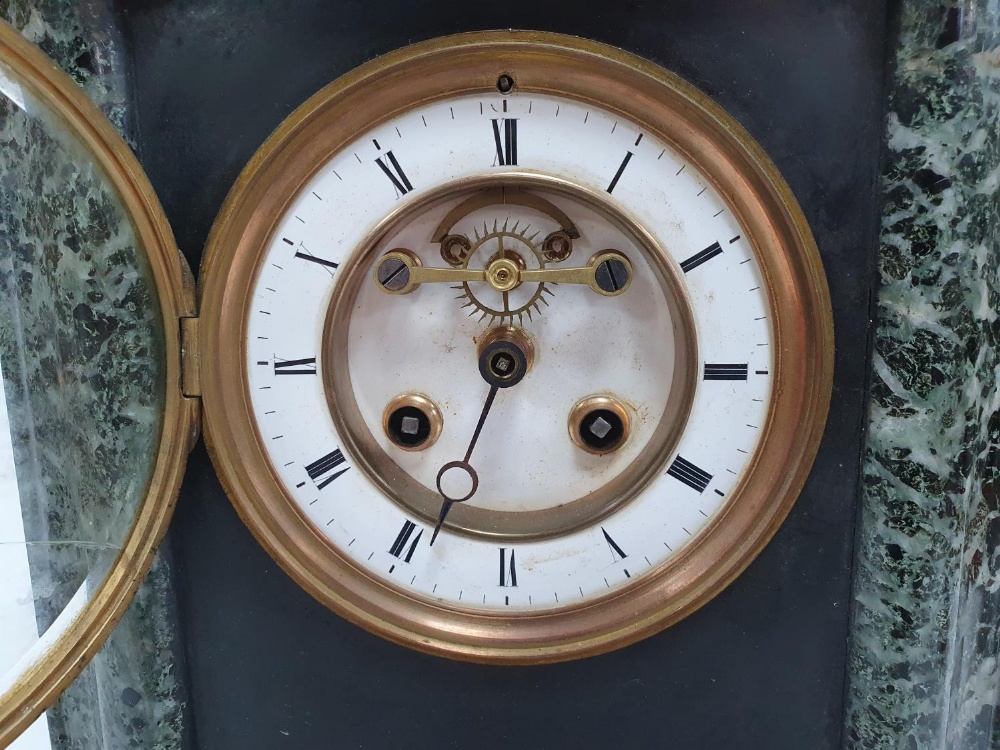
523,300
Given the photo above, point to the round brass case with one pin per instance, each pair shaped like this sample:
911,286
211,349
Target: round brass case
591,404
422,404
663,105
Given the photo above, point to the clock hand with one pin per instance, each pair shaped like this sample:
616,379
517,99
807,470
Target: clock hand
608,273
464,465
503,363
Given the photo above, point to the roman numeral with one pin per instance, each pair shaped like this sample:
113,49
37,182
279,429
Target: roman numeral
618,174
691,475
395,173
295,366
322,471
313,259
725,372
617,553
508,574
404,536
704,256
506,145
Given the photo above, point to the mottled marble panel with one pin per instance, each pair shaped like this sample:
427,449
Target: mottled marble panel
81,349
923,663
83,38
89,385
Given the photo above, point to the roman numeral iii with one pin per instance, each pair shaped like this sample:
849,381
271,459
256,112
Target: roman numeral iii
726,372
685,471
295,366
505,138
323,471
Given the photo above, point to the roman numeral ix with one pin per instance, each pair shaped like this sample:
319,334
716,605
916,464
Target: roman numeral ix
402,538
685,471
506,141
295,366
508,574
395,173
322,471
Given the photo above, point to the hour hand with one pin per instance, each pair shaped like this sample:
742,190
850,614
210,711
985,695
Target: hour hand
608,273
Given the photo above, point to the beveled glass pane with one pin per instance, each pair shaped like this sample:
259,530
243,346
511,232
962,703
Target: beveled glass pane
82,356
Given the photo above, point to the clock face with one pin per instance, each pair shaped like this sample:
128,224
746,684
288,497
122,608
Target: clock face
570,502
511,371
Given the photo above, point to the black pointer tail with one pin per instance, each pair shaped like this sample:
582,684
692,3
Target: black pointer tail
445,507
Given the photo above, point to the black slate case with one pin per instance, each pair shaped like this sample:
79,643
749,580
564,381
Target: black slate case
761,666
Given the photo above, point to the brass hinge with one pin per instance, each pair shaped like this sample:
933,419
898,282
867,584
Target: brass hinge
190,358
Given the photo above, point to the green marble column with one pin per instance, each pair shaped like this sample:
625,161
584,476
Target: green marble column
923,669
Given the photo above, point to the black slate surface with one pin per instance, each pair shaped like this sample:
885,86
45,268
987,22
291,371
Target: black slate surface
761,666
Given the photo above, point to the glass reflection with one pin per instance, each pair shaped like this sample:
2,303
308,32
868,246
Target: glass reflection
83,381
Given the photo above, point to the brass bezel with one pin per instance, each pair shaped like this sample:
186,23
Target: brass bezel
659,102
42,684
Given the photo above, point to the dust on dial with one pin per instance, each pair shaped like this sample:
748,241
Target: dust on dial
520,321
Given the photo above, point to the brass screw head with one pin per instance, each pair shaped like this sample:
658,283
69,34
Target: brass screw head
392,272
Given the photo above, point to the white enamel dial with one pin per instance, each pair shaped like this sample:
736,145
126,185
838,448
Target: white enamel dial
627,346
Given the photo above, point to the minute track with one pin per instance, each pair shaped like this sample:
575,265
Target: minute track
365,190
